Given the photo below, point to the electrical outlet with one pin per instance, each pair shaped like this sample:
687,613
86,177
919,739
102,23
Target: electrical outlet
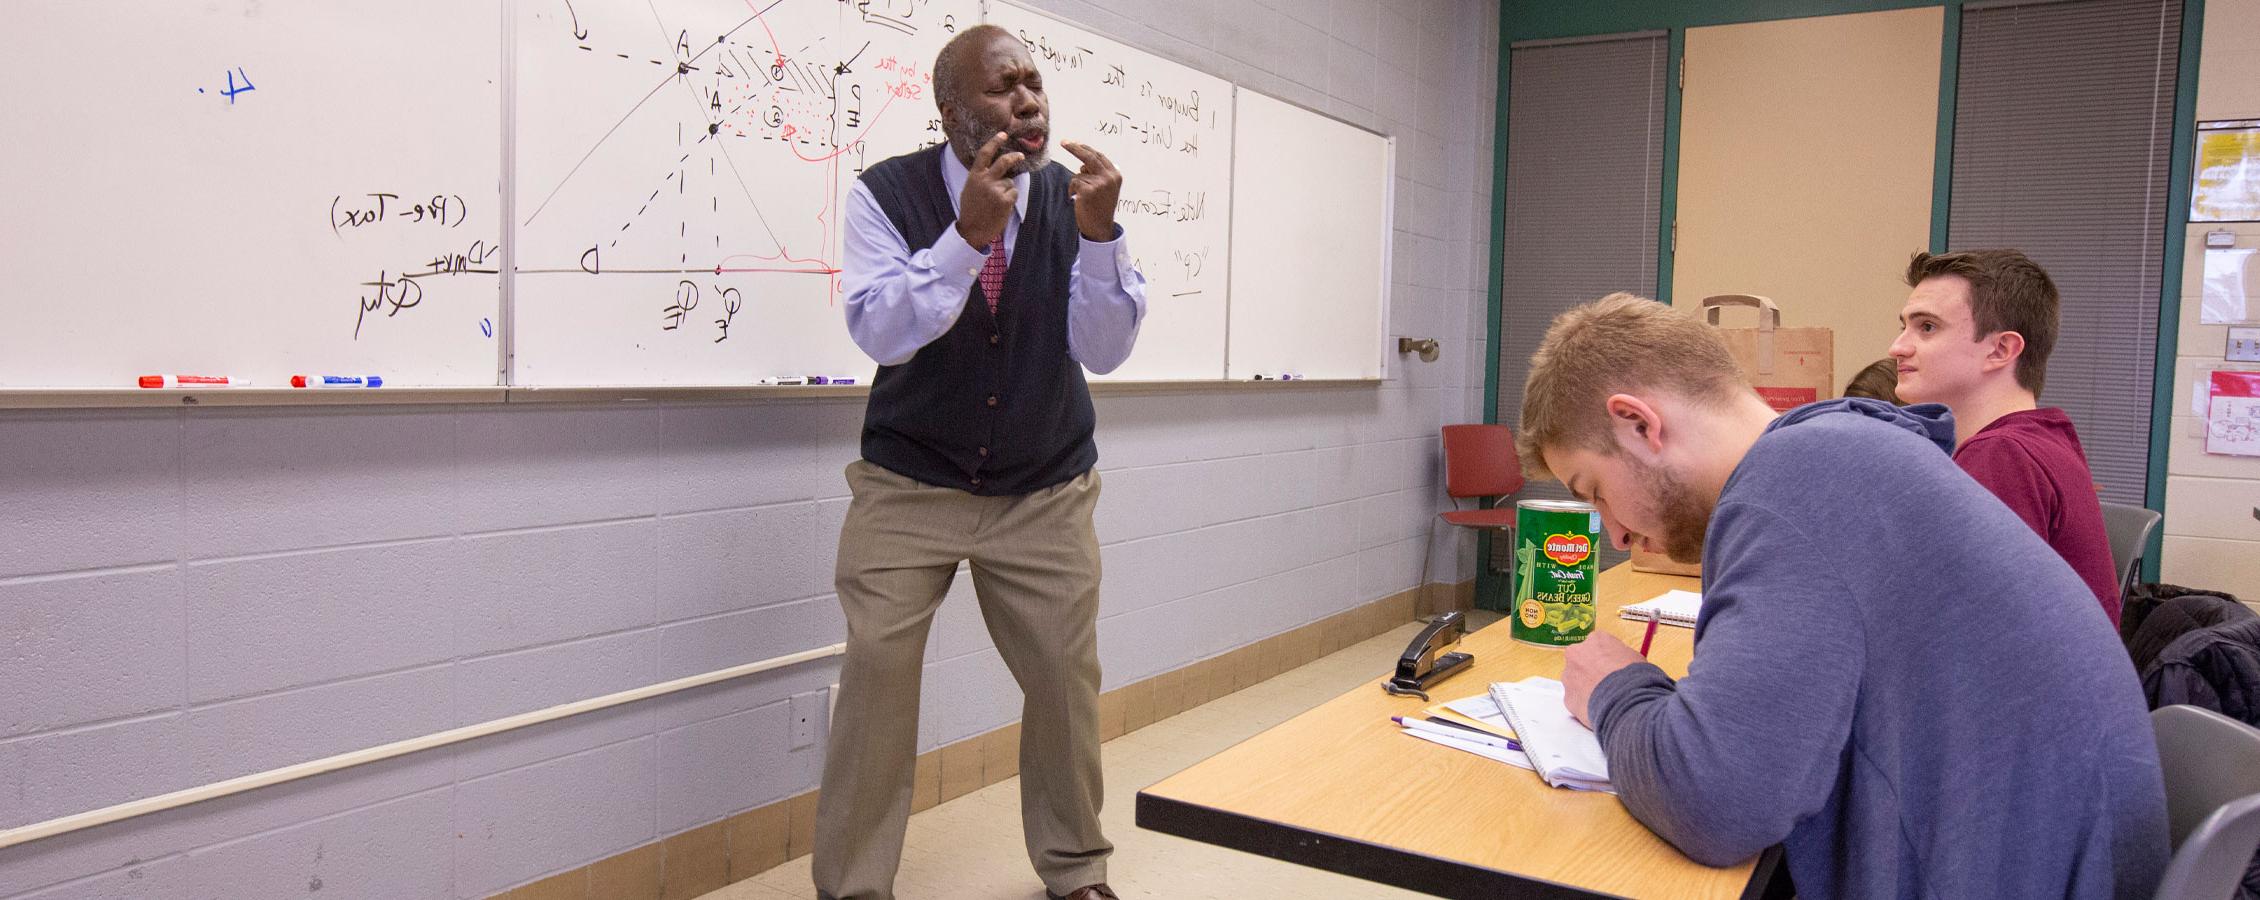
2244,344
804,711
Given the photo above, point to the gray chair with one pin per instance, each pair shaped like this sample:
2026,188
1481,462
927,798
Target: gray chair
2128,528
2212,769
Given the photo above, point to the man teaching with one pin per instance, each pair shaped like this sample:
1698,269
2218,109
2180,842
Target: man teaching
983,279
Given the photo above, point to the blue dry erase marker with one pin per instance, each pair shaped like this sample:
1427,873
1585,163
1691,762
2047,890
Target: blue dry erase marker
347,381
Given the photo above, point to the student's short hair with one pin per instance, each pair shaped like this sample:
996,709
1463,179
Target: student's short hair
1880,381
2008,292
1619,343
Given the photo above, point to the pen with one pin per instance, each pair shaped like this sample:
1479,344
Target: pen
166,381
1470,729
1457,732
354,381
1653,617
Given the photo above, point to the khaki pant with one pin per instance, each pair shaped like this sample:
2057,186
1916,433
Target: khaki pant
1035,561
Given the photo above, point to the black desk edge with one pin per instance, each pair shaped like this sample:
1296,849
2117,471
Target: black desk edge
1377,863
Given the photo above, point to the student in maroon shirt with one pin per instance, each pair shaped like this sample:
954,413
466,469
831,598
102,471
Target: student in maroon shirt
1975,336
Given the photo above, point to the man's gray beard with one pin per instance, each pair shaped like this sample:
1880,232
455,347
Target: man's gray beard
966,137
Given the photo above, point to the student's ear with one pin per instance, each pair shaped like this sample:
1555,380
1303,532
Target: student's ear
1636,426
2002,350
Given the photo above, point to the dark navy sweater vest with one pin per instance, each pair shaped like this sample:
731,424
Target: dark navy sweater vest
995,405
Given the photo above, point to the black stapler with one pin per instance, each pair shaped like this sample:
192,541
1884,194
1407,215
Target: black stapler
1425,662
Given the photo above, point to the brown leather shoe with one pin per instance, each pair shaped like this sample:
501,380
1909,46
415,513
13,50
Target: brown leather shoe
1087,892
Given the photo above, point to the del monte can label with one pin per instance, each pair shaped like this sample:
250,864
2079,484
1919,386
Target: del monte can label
1568,549
1555,564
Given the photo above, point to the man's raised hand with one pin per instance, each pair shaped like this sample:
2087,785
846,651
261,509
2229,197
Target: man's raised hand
985,206
1095,189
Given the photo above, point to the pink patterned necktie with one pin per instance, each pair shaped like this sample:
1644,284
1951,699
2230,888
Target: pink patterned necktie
992,274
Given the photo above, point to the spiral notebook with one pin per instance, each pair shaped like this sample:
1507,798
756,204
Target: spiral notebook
1672,607
1564,752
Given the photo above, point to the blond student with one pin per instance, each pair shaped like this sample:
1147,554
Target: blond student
1885,678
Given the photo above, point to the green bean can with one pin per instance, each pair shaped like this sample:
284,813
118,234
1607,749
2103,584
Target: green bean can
1555,564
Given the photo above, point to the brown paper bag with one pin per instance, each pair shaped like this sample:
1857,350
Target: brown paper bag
1788,366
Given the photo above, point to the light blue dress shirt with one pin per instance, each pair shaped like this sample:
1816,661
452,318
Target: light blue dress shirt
899,300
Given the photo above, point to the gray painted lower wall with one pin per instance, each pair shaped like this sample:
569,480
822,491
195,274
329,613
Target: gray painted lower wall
190,595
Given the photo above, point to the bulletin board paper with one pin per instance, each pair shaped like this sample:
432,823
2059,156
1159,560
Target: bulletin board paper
2227,186
2230,280
2232,421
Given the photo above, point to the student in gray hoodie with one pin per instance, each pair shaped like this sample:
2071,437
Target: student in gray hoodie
1894,677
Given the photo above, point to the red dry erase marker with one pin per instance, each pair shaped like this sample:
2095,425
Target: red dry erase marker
1653,617
166,381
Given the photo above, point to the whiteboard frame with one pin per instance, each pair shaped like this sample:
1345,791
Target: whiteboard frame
506,317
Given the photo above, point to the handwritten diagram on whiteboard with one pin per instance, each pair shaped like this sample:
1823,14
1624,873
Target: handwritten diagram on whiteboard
252,189
681,170
557,193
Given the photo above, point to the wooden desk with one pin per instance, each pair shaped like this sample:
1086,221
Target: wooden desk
1338,788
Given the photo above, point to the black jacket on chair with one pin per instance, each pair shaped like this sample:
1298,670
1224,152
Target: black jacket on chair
2201,650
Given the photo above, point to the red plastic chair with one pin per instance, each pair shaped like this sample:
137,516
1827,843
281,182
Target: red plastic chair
1480,461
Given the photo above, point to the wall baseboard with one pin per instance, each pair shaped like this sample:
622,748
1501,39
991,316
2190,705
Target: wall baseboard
715,855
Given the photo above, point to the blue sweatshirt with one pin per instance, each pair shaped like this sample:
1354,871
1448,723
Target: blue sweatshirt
1894,678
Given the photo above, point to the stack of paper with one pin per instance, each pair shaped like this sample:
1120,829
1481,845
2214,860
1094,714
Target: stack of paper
1479,712
1564,752
1510,757
1672,607
1480,729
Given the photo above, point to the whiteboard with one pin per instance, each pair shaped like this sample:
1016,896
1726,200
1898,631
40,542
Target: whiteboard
1310,243
254,189
681,167
1168,128
605,193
